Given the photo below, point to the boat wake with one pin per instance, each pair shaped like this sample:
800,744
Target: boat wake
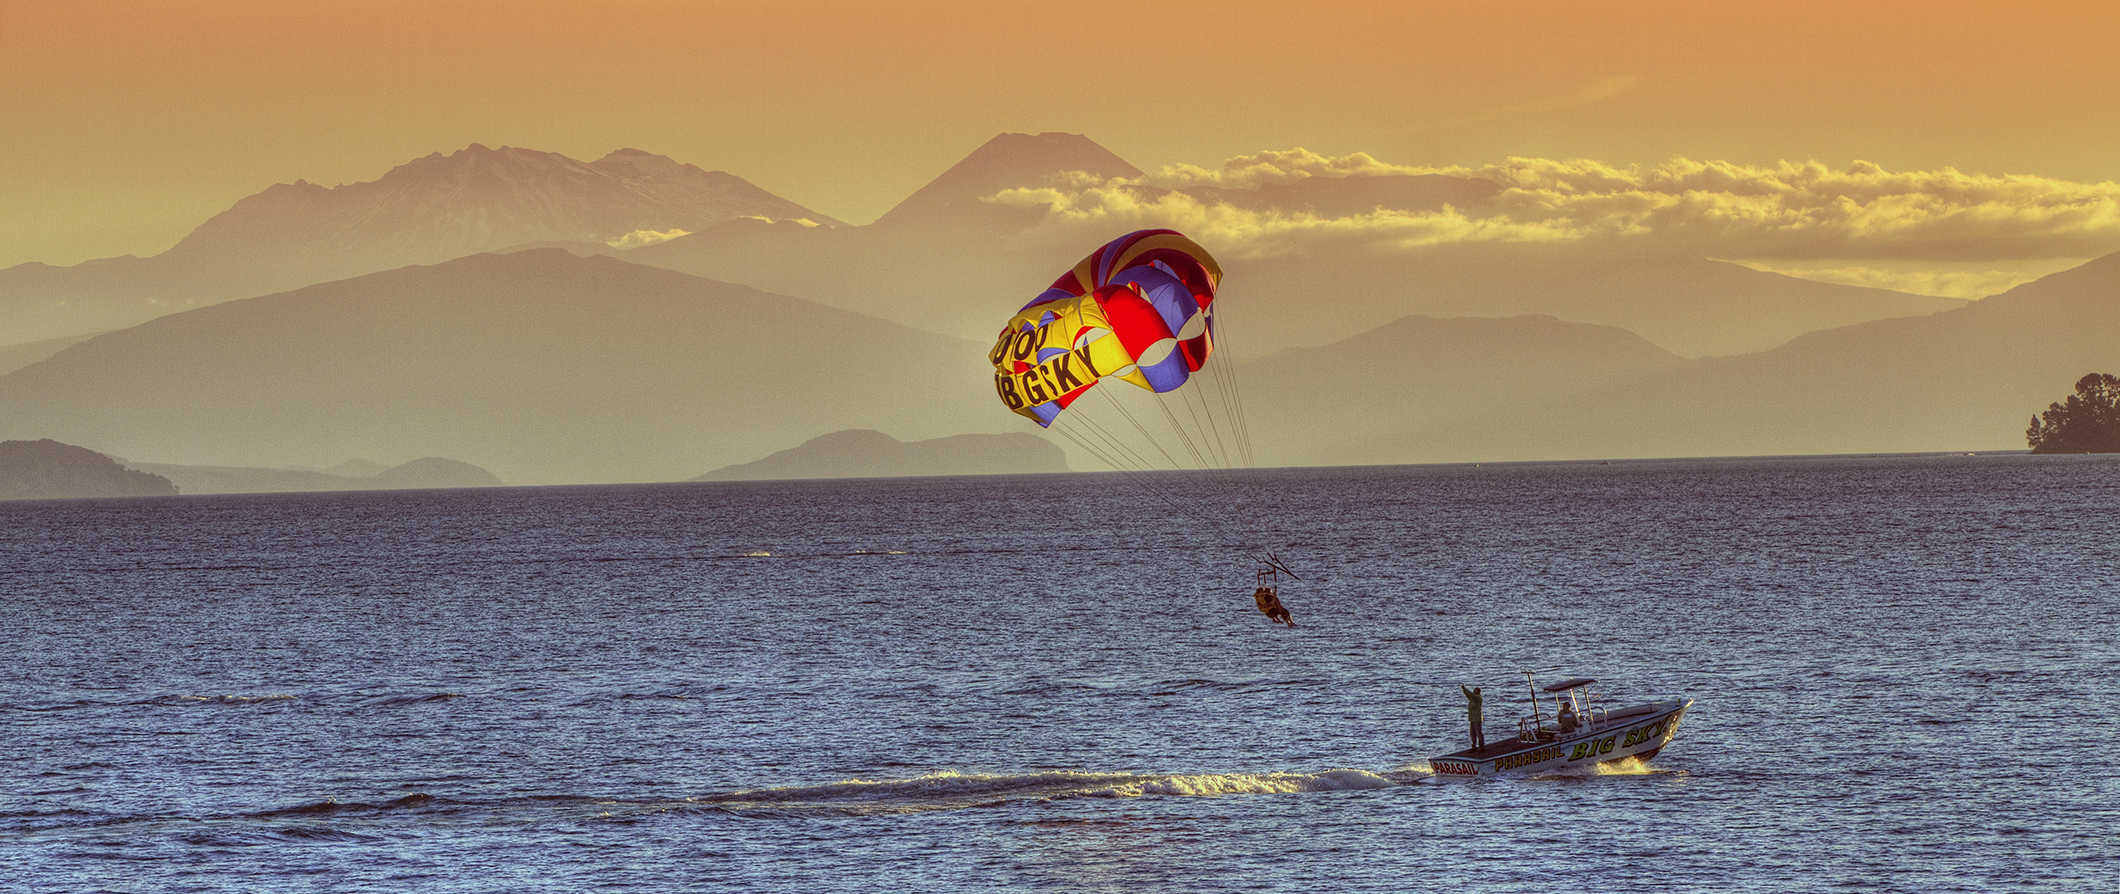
1626,766
951,790
1630,766
356,819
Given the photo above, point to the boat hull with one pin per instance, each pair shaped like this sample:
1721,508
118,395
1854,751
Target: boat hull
1637,732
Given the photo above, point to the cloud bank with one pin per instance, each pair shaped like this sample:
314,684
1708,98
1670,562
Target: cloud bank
1787,211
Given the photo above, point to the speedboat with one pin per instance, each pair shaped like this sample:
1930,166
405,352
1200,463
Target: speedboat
1579,733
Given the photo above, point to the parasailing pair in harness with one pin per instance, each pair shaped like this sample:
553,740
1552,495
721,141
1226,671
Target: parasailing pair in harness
1140,309
1268,595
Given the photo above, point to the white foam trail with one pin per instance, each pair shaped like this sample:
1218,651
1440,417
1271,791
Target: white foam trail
1626,766
945,783
1214,784
948,789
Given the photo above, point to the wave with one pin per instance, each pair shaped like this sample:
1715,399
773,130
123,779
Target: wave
235,699
331,807
188,700
413,698
298,822
1043,686
231,838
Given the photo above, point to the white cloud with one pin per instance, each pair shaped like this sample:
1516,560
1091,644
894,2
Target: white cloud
638,238
1788,210
1241,232
1273,167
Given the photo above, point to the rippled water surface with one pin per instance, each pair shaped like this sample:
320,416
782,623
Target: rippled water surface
1905,672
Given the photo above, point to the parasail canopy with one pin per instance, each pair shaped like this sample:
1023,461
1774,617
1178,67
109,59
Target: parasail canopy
1140,309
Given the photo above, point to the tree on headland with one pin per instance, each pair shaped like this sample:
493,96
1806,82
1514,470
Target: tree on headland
2088,423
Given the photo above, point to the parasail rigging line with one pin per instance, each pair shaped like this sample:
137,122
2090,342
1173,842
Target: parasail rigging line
1103,319
1145,436
1226,374
1183,437
1146,479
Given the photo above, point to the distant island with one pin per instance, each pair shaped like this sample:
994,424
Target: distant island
48,470
427,473
865,453
2088,423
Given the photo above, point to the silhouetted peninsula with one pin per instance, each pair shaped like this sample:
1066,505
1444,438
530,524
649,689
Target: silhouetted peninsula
2088,423
863,453
48,470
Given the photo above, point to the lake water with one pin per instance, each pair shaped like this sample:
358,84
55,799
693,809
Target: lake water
1905,672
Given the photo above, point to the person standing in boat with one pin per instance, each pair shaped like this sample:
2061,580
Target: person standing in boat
1472,714
1567,722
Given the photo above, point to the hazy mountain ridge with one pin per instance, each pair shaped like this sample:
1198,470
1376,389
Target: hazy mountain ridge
477,199
14,357
1428,375
558,368
1007,161
1965,379
864,453
45,469
542,366
428,210
429,472
1691,306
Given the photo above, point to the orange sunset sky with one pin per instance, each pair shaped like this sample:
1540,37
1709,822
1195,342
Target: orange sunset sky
129,123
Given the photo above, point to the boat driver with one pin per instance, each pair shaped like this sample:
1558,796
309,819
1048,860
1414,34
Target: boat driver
1566,723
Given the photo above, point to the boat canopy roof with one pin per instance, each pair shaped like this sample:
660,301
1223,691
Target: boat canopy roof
1570,683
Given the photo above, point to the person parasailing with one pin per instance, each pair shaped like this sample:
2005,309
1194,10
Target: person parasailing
1268,595
1140,310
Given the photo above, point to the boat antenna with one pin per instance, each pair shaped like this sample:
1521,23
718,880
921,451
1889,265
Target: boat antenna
1532,686
1538,718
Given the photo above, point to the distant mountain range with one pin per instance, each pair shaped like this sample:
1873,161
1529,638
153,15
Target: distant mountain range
430,472
1965,379
428,210
540,365
1692,306
862,453
550,367
1409,389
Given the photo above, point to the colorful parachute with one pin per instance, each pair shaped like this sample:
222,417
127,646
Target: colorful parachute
1139,309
